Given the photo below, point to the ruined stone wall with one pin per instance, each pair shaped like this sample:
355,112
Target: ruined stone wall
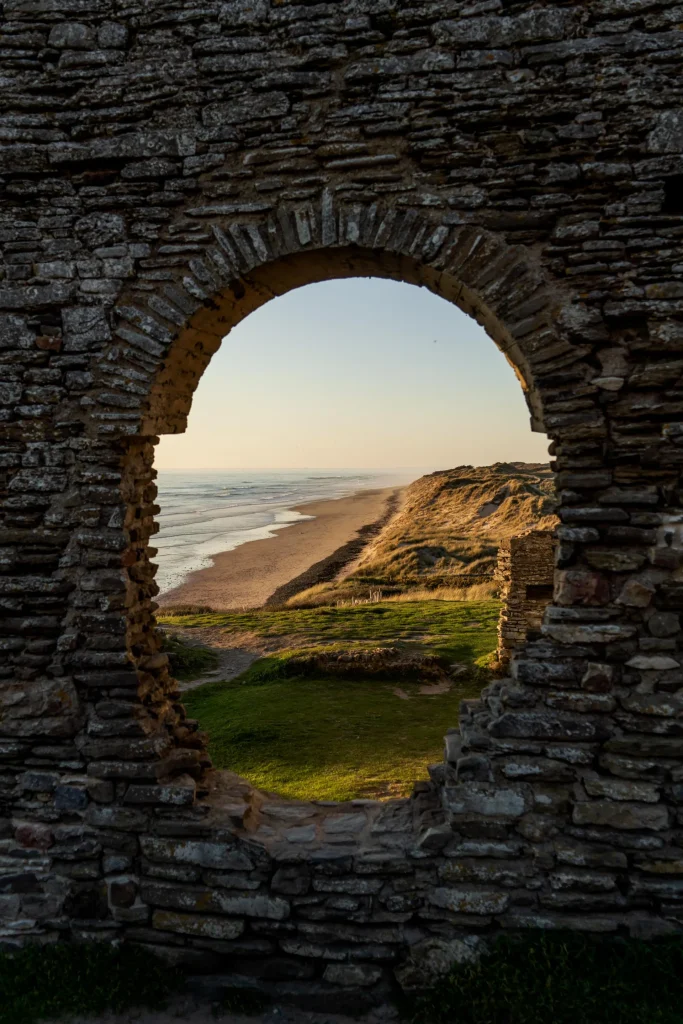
525,573
165,170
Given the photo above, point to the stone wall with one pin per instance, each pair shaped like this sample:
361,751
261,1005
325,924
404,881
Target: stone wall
166,169
525,573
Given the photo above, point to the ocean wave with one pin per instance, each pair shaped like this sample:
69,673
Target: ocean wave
204,513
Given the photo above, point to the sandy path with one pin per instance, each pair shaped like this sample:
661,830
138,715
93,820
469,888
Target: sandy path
247,576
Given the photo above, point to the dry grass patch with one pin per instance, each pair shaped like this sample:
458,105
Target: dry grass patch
444,542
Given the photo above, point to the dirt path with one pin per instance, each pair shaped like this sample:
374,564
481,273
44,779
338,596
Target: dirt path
233,661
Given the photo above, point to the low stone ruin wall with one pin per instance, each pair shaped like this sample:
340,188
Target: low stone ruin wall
334,906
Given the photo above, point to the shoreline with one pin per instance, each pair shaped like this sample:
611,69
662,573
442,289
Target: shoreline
329,567
271,570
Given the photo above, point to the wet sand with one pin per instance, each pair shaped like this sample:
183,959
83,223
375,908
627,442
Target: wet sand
247,576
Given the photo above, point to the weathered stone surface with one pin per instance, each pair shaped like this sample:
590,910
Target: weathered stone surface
352,975
618,789
622,815
431,959
162,174
469,901
490,800
582,855
664,624
204,854
197,924
208,901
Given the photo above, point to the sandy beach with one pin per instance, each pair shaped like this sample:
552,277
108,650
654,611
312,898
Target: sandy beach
248,575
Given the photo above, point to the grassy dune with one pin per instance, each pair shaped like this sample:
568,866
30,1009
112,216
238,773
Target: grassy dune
447,534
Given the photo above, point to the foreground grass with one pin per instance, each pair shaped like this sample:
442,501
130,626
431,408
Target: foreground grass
325,738
40,982
537,978
561,979
319,736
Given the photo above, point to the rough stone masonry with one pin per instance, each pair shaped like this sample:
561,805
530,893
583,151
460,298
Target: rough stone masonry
166,168
525,573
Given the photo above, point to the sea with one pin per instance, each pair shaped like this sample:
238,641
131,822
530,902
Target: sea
204,512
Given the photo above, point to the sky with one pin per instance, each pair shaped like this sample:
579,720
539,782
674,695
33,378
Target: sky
357,373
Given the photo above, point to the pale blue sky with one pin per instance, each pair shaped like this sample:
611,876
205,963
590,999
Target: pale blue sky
360,373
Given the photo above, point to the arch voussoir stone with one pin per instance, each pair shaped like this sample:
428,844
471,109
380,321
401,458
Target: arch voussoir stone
164,174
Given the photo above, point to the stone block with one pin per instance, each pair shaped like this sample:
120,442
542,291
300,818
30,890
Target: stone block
352,975
263,105
112,35
580,586
667,134
622,815
122,891
623,789
271,908
349,823
179,793
469,901
486,799
664,624
585,855
72,35
292,880
200,925
71,798
34,835
192,851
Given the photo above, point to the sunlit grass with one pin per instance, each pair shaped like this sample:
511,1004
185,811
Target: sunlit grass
322,736
326,738
460,630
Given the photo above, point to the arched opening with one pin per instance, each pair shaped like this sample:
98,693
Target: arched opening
215,315
173,394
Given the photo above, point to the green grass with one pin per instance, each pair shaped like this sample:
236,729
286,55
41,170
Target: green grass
325,738
539,978
561,979
39,982
188,662
244,1001
460,630
319,736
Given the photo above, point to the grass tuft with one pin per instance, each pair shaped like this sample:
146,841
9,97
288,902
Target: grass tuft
39,982
187,662
244,1002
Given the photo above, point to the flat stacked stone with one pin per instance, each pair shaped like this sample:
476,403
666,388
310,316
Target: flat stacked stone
165,170
525,573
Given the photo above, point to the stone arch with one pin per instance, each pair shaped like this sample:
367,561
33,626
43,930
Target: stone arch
174,331
251,261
